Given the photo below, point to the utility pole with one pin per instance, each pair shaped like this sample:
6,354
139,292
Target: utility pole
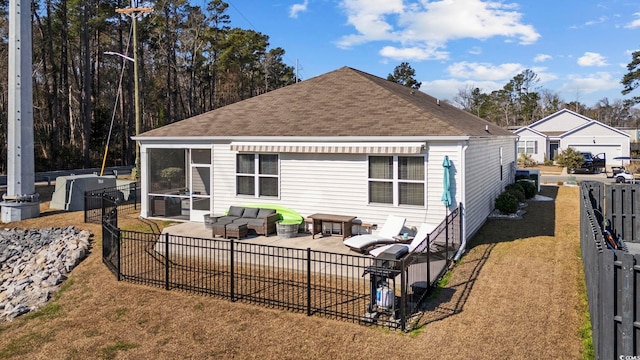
20,201
133,13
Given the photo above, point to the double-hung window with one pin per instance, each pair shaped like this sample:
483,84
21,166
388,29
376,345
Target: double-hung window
257,174
397,180
527,147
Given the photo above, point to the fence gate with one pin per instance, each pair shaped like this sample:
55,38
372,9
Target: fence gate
110,235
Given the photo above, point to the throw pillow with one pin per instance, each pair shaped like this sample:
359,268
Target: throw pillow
250,213
235,211
263,213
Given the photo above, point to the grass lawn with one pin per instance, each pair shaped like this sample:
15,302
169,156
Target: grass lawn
517,293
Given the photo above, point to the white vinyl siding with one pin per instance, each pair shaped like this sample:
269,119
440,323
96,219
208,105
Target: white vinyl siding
597,138
336,184
486,175
560,121
535,141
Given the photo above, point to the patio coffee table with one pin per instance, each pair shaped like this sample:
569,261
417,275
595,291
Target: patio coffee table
319,219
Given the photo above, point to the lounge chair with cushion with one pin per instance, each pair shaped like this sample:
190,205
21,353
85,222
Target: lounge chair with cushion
392,227
422,234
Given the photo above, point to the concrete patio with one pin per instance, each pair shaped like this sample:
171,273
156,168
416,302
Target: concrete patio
331,244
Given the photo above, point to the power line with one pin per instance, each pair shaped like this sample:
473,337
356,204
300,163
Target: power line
297,61
241,14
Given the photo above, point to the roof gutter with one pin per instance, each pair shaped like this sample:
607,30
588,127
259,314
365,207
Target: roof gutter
302,138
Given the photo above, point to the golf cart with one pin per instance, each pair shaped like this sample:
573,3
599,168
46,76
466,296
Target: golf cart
620,173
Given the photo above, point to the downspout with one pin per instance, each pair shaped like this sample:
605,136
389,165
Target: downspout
463,170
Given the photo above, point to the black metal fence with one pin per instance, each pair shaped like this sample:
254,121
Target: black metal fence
110,235
354,288
612,275
126,198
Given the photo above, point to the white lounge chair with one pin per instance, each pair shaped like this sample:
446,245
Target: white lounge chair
424,231
392,227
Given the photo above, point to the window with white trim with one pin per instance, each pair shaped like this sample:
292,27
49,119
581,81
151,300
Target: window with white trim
397,180
257,175
528,147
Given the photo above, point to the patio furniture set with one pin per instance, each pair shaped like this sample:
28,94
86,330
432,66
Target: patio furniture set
239,220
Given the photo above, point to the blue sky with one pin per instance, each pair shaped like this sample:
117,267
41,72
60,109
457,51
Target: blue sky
579,49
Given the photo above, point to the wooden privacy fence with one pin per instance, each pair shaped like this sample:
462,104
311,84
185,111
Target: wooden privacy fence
612,276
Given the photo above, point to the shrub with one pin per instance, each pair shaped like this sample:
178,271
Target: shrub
507,203
529,188
548,162
517,191
525,160
171,175
570,158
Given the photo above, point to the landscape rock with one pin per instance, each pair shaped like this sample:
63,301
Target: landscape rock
33,264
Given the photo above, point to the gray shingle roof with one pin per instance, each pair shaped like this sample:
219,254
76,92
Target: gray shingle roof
343,102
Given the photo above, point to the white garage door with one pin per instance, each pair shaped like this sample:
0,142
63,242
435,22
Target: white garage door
610,151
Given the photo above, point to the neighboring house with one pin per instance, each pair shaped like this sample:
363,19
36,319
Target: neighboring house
565,128
345,142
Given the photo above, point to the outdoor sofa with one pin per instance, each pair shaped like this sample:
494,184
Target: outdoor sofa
261,221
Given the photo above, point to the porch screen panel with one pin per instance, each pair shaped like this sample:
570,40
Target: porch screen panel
201,181
167,170
201,156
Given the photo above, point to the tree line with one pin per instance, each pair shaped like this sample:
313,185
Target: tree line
190,61
522,101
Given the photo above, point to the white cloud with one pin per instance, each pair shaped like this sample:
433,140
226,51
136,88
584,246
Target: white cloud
484,71
476,50
600,20
443,21
298,8
413,53
592,59
432,24
590,83
541,58
635,23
